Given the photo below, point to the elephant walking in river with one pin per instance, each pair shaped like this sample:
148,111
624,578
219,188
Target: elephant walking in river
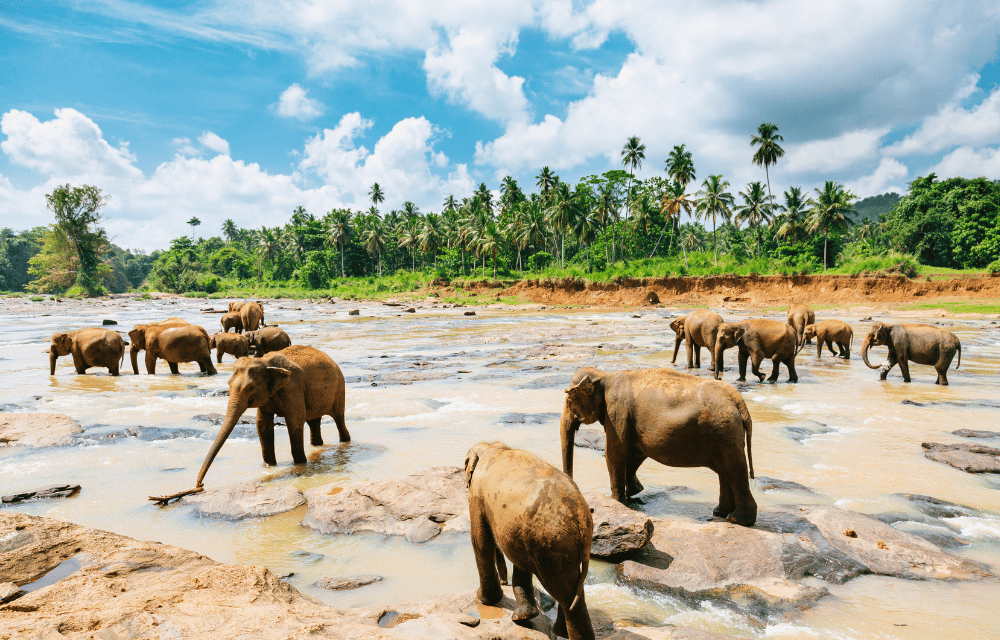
920,343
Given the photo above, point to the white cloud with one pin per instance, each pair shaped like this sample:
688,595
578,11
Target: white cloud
884,179
966,162
214,142
954,126
295,103
184,147
834,154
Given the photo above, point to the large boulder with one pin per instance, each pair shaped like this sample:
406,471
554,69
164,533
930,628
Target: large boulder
617,529
245,500
971,458
37,429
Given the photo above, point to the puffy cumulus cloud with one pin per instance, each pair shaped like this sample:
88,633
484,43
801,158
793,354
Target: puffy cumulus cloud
214,142
966,162
401,162
954,126
184,146
834,154
885,178
295,103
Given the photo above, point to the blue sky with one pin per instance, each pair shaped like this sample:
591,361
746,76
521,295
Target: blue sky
220,110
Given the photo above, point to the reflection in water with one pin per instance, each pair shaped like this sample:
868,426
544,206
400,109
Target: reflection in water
850,439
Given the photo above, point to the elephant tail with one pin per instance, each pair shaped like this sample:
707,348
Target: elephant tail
748,428
584,566
959,364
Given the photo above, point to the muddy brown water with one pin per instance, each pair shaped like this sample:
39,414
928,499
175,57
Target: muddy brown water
839,431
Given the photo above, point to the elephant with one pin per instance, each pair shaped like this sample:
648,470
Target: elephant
96,347
268,339
232,320
920,343
300,383
830,331
758,339
524,509
231,343
675,418
700,328
172,341
236,306
252,315
799,315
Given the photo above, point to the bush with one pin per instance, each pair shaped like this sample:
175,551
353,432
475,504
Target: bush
993,268
539,261
36,298
209,284
195,294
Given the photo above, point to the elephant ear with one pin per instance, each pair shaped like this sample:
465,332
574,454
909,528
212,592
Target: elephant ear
581,392
471,461
677,325
276,379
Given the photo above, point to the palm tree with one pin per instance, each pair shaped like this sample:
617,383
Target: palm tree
632,154
431,234
829,212
510,193
268,246
374,238
450,204
560,214
410,210
794,211
545,181
715,202
485,197
533,226
408,237
490,240
230,230
672,204
376,195
755,210
607,205
194,222
768,149
680,165
339,230
586,228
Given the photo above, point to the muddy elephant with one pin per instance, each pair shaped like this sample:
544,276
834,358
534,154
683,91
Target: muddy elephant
268,339
829,332
232,343
677,419
236,306
174,342
252,316
920,343
232,320
300,383
758,339
700,328
96,347
799,315
524,509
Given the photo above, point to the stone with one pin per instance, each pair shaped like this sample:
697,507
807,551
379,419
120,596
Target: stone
970,458
346,583
354,312
245,500
423,530
669,632
469,313
590,438
937,508
409,310
409,377
8,591
37,429
529,418
618,530
764,483
306,556
152,434
55,491
107,322
975,433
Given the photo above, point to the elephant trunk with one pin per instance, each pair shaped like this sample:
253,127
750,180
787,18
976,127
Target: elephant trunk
677,347
864,352
234,412
567,434
52,361
719,350
134,355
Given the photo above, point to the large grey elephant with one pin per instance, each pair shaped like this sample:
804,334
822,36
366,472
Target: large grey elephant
920,343
535,515
698,329
95,347
799,315
758,339
674,418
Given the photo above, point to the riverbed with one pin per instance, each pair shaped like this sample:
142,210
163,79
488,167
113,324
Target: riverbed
423,387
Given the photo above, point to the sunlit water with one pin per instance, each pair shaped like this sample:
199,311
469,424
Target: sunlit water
859,447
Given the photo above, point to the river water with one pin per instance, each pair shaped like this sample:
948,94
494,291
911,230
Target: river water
839,431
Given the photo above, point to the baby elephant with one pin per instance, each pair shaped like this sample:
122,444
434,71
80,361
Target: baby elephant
827,332
231,343
535,515
268,339
95,347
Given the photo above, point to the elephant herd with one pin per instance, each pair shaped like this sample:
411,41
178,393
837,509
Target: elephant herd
521,508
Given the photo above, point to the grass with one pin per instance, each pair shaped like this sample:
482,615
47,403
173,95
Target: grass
956,306
36,298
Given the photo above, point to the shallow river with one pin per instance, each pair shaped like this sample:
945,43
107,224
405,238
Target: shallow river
839,431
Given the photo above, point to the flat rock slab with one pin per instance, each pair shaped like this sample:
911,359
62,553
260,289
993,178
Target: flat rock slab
765,483
664,633
436,496
970,458
617,529
245,500
37,429
529,418
761,570
976,433
591,438
55,491
346,583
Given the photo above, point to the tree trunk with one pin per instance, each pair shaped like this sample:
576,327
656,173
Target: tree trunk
715,243
826,237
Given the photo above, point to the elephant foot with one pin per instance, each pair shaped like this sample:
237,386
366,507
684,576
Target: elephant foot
793,380
490,596
746,519
525,609
634,487
741,379
722,512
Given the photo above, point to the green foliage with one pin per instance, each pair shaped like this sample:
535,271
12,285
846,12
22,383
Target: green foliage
36,298
902,264
77,211
875,206
993,268
16,251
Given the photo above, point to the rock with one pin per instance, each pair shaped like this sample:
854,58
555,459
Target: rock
37,429
128,588
764,483
652,298
306,556
392,507
807,429
55,491
468,313
354,312
409,377
151,434
218,418
348,582
8,591
970,458
409,310
669,632
423,530
937,508
107,322
617,529
245,500
590,438
529,418
973,433
547,382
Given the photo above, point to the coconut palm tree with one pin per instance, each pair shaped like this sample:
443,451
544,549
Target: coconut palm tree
674,202
768,150
339,229
607,205
586,227
230,230
715,202
374,238
560,214
485,197
755,210
268,247
194,222
829,212
408,237
410,210
431,234
545,181
632,155
450,204
376,195
680,166
510,193
794,212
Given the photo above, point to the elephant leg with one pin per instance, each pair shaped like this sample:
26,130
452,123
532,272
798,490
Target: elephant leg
819,348
904,367
727,503
296,436
207,366
889,363
790,363
561,580
150,363
829,345
616,457
485,548
756,359
689,345
501,567
218,354
345,435
315,435
697,355
524,594
633,486
265,432
743,356
173,368
113,369
577,623
735,474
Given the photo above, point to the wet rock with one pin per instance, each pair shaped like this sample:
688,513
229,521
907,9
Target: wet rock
346,583
765,483
55,491
409,310
970,458
468,313
107,322
151,434
802,431
358,379
943,540
617,346
217,418
354,312
391,507
590,438
245,500
973,433
669,632
617,529
306,556
937,508
409,377
423,530
971,404
547,382
529,418
37,429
